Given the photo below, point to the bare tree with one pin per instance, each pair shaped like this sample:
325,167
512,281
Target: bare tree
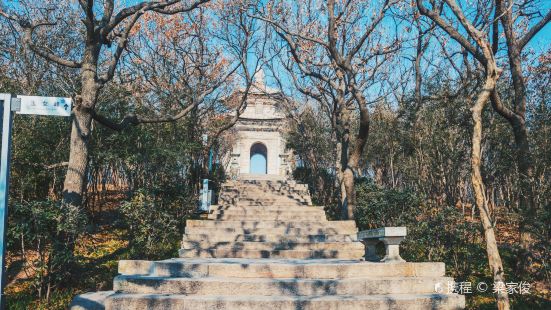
482,51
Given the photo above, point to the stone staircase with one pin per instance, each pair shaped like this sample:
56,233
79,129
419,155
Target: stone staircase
266,247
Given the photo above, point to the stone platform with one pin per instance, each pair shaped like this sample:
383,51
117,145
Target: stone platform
266,247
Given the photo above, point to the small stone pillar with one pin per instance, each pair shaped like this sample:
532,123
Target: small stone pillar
391,237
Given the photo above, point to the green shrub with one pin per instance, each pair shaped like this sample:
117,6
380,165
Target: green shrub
154,226
41,236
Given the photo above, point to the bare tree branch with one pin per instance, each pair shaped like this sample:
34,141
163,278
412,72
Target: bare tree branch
450,30
157,6
133,119
534,30
27,38
123,42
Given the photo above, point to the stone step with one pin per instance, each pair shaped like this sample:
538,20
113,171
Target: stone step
263,183
271,224
254,195
289,209
263,196
275,246
270,203
268,216
272,186
248,190
275,208
273,232
340,302
278,268
280,254
277,287
223,237
268,197
268,189
253,177
265,188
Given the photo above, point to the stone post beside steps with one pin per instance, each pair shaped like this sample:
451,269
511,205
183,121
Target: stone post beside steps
391,237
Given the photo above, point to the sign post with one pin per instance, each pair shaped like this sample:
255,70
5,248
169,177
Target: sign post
22,105
5,100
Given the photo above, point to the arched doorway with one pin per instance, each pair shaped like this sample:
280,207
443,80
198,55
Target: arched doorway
259,159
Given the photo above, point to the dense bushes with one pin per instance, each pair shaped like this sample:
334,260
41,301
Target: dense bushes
378,207
154,226
37,247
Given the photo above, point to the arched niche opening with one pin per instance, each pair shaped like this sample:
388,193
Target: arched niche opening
259,159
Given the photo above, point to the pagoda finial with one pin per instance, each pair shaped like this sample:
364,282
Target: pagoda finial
259,78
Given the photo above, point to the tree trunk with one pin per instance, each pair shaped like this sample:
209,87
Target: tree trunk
342,134
354,156
525,168
76,177
494,258
350,191
339,185
526,179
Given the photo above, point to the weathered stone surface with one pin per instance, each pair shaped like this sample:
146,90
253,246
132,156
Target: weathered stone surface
383,232
276,287
278,216
280,231
280,268
388,301
276,246
298,254
221,237
272,223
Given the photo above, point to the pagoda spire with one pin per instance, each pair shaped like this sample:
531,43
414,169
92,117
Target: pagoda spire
259,79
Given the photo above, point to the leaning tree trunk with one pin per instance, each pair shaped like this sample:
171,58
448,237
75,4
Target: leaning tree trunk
494,258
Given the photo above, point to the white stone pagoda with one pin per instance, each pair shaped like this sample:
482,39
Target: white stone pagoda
259,149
